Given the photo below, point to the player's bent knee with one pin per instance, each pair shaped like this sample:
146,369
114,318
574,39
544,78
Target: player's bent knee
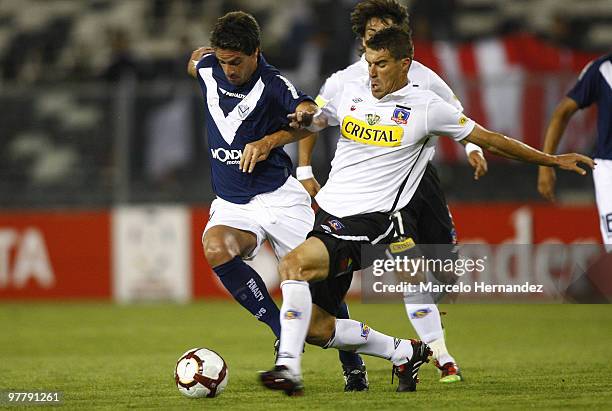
216,252
293,267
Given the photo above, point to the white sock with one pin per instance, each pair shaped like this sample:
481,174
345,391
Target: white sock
440,352
295,319
354,336
425,319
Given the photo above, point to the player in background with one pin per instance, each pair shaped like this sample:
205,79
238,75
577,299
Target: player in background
594,85
426,219
375,172
247,98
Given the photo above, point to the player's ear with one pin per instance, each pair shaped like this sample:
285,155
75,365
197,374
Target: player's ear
406,63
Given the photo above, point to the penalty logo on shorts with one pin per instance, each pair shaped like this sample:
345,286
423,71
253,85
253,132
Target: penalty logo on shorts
335,224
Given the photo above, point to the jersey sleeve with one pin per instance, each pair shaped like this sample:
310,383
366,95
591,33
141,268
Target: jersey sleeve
585,91
329,89
446,120
286,94
438,86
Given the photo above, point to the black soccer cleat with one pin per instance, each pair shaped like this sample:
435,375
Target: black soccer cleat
355,378
407,373
280,378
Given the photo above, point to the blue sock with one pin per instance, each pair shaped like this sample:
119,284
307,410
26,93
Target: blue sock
247,287
348,359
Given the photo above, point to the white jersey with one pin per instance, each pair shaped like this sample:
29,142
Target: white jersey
385,145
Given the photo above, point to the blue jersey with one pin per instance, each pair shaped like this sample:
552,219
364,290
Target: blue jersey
238,115
595,86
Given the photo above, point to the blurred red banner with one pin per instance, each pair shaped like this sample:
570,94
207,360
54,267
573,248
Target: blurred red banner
68,254
55,255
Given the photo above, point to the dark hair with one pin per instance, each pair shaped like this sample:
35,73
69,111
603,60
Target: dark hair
394,39
383,9
237,31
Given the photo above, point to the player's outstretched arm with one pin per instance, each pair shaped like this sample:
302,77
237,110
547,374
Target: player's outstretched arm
196,56
561,116
304,171
486,139
260,150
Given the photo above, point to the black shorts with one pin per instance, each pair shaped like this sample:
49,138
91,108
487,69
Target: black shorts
426,218
343,238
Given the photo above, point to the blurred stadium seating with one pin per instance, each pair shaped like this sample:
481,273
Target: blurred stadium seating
97,108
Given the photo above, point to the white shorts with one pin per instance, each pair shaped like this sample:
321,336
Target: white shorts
283,217
602,176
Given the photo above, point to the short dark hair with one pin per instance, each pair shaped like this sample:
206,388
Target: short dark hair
394,39
237,31
383,9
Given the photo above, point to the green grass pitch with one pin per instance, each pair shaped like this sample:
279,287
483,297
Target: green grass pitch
104,356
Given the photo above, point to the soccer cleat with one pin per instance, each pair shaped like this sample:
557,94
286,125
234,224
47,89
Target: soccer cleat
450,372
280,378
355,378
407,373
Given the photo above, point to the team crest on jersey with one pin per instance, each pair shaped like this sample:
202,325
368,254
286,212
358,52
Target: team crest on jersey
372,119
243,110
401,114
335,224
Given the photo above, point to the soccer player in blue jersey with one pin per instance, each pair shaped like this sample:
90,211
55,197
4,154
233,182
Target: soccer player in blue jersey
246,99
594,85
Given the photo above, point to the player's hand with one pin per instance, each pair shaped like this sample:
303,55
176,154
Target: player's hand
479,163
311,185
253,153
300,119
547,177
197,55
570,162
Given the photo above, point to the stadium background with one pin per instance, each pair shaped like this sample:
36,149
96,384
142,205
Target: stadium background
103,160
104,190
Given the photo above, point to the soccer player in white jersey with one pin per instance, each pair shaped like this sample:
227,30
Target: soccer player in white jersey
250,208
426,219
372,162
594,85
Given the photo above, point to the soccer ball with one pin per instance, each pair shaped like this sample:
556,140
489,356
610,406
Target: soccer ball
200,373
